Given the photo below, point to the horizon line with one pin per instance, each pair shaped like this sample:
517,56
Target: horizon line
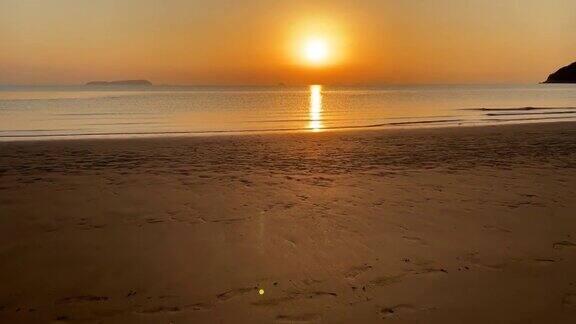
279,84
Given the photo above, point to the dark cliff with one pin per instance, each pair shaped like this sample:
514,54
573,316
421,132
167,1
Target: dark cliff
566,74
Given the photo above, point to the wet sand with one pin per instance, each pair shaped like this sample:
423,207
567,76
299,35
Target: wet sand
474,225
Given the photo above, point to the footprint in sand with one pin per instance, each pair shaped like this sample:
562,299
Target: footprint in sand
274,301
415,239
61,319
387,280
475,260
431,271
563,245
160,310
569,300
292,296
201,307
234,293
392,279
356,271
544,261
154,220
302,318
82,299
396,311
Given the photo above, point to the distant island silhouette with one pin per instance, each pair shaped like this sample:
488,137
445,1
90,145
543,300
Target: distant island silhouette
566,74
121,82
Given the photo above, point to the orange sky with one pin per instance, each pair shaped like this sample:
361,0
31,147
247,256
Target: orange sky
253,41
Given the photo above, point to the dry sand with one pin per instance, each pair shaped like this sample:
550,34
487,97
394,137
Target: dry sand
471,225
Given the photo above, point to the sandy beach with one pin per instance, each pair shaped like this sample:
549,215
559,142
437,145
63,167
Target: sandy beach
453,225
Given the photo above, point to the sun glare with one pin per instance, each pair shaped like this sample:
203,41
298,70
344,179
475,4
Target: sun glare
317,43
315,108
316,51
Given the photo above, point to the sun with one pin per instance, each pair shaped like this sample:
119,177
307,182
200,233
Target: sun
317,43
316,51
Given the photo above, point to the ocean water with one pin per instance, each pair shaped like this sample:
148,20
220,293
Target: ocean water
52,112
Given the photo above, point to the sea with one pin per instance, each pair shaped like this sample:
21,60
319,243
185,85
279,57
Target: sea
64,112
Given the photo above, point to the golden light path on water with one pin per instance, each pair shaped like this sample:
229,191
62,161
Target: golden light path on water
316,108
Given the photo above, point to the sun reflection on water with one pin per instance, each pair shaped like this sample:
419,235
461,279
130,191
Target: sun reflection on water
316,108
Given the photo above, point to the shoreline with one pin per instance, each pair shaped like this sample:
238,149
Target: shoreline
225,133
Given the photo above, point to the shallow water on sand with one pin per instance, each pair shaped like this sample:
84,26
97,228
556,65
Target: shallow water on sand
79,111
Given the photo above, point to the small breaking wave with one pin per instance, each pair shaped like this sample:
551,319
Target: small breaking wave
520,108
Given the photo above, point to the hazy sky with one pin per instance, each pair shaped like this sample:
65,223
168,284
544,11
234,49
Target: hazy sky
257,41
